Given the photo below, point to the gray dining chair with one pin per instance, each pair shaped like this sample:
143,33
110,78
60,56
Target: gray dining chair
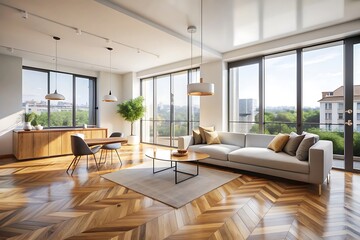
80,148
112,147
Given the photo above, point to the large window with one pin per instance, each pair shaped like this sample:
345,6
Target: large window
280,93
170,112
300,90
77,109
244,95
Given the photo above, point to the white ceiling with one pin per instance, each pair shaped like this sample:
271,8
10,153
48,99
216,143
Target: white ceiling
151,33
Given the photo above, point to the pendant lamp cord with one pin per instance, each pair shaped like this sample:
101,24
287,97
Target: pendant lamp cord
201,33
201,36
191,56
56,63
110,69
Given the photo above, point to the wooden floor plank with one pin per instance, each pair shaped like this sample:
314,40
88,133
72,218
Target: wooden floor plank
38,200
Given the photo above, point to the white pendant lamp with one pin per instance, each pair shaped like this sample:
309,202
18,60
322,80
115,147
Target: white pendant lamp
109,97
201,88
55,95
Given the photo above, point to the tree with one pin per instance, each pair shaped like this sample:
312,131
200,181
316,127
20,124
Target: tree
132,110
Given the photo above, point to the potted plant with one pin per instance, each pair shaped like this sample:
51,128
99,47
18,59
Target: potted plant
35,122
132,110
28,118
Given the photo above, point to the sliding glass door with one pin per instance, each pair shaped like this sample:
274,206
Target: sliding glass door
170,112
244,93
323,95
352,112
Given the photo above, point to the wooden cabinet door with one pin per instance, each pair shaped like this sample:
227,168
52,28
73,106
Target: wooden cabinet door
41,144
100,133
66,142
87,133
25,145
55,143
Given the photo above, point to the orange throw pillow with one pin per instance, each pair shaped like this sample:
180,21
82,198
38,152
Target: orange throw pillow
279,142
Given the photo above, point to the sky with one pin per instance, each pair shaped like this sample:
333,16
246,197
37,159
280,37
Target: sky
35,87
322,71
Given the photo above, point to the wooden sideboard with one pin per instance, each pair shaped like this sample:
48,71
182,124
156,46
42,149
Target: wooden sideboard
49,142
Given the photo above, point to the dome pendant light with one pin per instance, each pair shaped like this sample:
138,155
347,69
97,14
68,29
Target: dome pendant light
55,95
109,97
201,88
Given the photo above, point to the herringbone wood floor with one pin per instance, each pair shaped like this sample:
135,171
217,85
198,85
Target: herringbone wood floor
38,200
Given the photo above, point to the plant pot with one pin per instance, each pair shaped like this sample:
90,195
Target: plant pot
133,140
39,127
27,126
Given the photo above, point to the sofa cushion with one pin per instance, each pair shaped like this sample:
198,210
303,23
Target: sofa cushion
302,153
293,143
197,137
278,142
202,132
212,137
231,138
258,140
217,151
264,157
307,134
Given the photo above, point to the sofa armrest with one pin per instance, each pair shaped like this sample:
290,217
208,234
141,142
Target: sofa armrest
320,160
185,141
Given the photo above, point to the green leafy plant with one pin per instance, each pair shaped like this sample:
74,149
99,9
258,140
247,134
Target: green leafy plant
29,117
34,122
132,110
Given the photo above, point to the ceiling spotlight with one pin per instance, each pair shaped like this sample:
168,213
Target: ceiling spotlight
78,31
25,15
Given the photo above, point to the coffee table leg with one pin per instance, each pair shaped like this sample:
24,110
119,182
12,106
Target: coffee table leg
187,173
176,182
171,166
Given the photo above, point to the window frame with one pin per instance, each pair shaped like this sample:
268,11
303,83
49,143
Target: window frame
190,122
74,76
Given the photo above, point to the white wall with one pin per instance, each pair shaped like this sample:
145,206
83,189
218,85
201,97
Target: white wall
130,90
10,100
213,109
107,112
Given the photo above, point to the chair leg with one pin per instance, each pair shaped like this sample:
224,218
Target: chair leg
72,162
75,165
118,156
328,178
101,153
319,189
96,162
106,152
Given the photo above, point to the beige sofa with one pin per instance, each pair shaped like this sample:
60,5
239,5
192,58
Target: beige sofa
249,152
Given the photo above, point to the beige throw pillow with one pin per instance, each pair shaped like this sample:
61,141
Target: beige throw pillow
202,132
316,137
278,142
293,143
197,137
302,153
212,137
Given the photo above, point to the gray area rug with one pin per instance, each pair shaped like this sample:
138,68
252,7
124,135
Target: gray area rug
161,186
